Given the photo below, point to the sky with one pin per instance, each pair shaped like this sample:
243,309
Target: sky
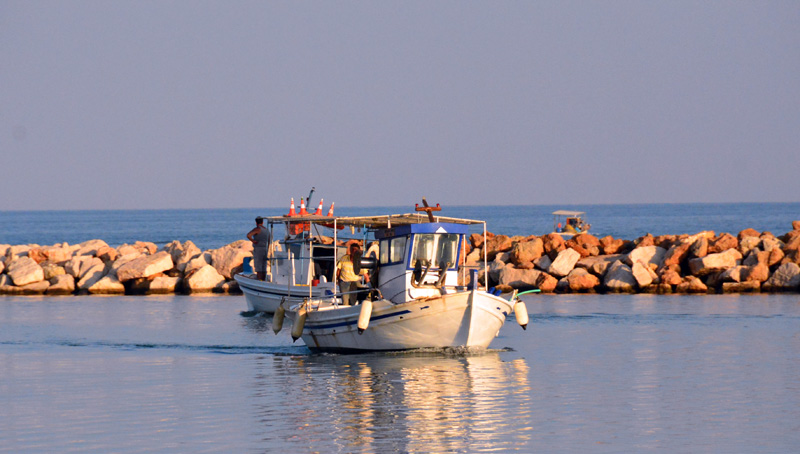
244,104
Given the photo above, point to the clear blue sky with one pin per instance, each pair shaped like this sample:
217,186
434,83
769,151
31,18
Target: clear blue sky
198,104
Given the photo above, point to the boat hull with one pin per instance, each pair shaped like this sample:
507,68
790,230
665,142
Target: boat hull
466,319
265,297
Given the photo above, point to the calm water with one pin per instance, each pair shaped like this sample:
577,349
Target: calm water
610,373
214,228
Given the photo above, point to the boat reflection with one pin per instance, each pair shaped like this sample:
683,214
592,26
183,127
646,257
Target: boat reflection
408,402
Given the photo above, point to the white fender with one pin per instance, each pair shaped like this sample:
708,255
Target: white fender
277,319
363,317
299,323
521,312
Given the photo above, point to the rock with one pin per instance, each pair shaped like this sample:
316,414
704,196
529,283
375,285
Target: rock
748,243
122,260
206,279
50,270
564,263
174,248
647,255
786,278
127,249
644,241
145,266
56,254
197,263
232,288
722,243
228,260
90,247
73,266
476,239
495,268
553,244
748,233
733,274
24,271
619,278
108,285
599,264
611,246
164,284
670,275
61,284
775,257
146,247
676,254
795,225
758,273
518,279
19,250
581,280
189,252
92,275
88,264
714,262
474,258
755,257
546,283
2,264
583,252
741,287
643,274
526,252
691,284
699,248
106,254
543,263
35,288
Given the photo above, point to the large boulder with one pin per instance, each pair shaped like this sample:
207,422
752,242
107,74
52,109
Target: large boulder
599,264
543,262
581,280
145,266
733,274
647,255
564,263
748,233
714,262
206,279
722,243
92,275
758,273
785,279
611,246
228,260
670,275
189,251
55,253
90,247
643,274
748,243
146,247
164,284
74,265
619,278
677,254
518,279
527,251
691,284
61,284
197,263
24,271
741,287
553,244
122,260
699,248
546,283
35,288
495,268
108,285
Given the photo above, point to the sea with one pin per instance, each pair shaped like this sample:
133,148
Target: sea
591,373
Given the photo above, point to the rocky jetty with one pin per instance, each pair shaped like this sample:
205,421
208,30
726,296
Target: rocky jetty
94,267
705,262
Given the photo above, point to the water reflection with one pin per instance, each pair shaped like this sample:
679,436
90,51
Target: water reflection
400,402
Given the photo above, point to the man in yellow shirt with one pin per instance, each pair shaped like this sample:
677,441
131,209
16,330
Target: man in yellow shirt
348,278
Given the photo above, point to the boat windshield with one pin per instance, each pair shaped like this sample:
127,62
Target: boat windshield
439,246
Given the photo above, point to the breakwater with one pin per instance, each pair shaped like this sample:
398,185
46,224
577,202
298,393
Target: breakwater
705,262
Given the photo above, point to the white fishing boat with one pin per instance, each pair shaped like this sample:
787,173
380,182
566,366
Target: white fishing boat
420,295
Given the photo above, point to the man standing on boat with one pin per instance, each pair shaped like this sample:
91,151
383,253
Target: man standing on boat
261,239
348,276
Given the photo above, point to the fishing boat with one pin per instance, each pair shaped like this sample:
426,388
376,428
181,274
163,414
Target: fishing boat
573,223
420,295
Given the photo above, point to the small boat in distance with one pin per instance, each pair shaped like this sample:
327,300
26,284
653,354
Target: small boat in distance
419,295
573,223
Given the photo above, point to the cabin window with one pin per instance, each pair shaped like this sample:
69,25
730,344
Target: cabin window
435,249
393,250
398,249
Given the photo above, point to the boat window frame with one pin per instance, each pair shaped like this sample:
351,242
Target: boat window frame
391,244
435,266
